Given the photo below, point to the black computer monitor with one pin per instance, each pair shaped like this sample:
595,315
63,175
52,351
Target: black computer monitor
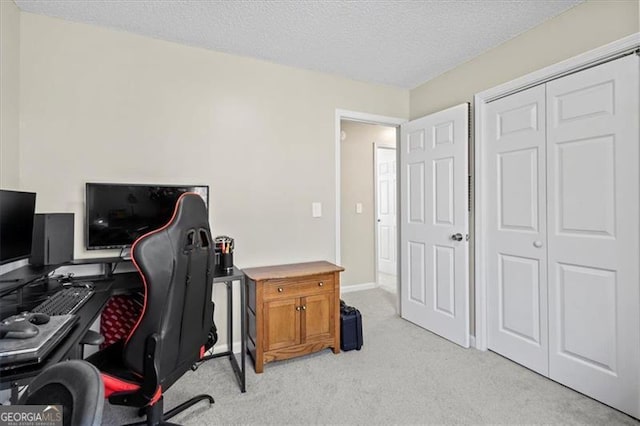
117,214
17,209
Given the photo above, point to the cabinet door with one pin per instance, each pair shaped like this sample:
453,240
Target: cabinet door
317,318
281,324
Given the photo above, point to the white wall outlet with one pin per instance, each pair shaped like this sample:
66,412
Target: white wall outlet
316,209
359,208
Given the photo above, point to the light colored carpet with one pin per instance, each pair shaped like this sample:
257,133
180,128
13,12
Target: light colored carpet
402,375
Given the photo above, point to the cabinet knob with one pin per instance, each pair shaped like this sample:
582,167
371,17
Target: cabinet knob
320,284
304,307
537,244
279,289
298,308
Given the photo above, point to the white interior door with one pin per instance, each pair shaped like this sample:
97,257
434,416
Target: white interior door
386,209
434,224
593,221
517,249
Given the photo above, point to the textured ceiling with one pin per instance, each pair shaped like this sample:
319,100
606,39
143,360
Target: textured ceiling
394,42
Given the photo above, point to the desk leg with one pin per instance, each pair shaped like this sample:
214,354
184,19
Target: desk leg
243,332
229,285
240,372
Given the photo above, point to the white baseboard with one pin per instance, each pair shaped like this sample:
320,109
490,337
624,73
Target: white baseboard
389,288
357,287
472,341
224,347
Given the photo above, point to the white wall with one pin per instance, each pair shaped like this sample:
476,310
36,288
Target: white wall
10,98
357,252
108,106
581,28
103,105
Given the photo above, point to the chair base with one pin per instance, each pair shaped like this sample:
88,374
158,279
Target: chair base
155,416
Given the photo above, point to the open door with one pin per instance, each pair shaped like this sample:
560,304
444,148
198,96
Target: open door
434,225
386,222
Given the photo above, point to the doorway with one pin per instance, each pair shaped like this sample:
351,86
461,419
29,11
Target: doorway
356,215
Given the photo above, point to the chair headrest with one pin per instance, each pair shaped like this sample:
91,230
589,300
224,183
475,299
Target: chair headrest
190,214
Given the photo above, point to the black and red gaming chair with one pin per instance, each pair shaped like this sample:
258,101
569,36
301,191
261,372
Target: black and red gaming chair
176,324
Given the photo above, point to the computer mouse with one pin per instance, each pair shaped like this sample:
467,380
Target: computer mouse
65,279
18,330
38,318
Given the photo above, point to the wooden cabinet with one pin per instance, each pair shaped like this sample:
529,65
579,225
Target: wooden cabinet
292,310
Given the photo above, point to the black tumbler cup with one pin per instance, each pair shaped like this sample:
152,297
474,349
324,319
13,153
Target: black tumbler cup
224,254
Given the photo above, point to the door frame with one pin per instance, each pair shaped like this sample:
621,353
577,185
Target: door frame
376,239
572,65
362,117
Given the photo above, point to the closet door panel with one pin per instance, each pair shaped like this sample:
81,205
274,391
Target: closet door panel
517,270
593,232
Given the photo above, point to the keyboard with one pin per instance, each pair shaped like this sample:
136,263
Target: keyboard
66,301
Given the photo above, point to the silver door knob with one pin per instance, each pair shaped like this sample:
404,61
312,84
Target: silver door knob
457,237
537,244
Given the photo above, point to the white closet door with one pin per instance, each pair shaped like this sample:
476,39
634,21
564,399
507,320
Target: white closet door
517,269
593,223
435,251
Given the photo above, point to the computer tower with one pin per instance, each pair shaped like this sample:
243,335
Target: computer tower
52,242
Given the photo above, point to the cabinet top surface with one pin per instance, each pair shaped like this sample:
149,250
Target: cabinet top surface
291,270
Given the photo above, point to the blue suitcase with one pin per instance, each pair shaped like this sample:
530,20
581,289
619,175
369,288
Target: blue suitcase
350,328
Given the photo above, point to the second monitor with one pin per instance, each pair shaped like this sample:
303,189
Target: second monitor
117,214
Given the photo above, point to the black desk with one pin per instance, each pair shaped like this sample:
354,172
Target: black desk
87,314
228,279
18,278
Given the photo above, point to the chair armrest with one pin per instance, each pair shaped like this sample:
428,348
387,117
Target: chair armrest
92,338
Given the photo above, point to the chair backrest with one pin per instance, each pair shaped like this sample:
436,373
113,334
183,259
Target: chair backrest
176,264
76,385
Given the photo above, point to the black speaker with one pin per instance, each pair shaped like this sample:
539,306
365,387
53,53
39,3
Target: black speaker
52,242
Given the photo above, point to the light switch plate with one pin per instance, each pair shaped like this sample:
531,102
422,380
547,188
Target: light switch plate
358,208
316,209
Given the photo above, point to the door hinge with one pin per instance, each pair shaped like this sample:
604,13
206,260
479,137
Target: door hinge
469,188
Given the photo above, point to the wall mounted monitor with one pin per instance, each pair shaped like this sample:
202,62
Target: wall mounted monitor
117,214
16,224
